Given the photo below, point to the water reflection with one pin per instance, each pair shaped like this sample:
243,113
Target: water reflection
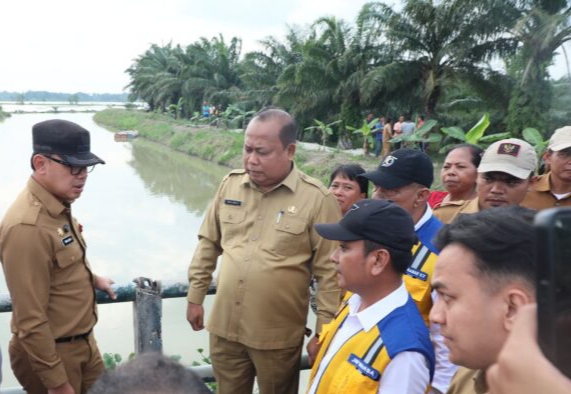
183,179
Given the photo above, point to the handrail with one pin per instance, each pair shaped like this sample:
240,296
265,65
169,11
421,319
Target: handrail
126,292
146,295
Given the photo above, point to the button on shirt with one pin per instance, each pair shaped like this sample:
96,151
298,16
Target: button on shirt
406,373
269,250
48,276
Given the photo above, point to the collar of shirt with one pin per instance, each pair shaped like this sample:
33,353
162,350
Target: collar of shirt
48,200
427,215
480,384
290,180
543,183
471,206
370,316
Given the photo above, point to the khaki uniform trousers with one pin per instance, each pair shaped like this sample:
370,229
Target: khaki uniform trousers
81,359
235,366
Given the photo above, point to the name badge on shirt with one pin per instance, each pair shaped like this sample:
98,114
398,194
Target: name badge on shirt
67,240
416,274
236,203
364,368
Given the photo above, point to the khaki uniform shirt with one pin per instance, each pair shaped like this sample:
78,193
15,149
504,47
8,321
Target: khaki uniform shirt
469,381
269,250
540,196
447,210
48,276
470,206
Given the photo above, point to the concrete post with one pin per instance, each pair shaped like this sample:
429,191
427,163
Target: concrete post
147,316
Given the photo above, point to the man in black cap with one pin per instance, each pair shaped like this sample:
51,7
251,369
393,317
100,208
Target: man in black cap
49,278
378,341
405,177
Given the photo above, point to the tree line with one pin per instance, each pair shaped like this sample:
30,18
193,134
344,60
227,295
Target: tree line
451,60
75,98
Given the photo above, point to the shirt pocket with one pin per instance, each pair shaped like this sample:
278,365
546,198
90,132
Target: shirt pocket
290,236
67,272
231,224
68,256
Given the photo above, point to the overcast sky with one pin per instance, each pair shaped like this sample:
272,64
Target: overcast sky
71,46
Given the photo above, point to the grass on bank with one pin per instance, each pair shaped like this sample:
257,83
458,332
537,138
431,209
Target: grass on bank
220,146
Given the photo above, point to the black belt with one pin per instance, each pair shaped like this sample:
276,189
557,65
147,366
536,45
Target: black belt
73,337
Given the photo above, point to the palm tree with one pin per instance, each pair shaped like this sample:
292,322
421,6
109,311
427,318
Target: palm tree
211,72
168,77
326,83
435,44
154,77
543,28
261,70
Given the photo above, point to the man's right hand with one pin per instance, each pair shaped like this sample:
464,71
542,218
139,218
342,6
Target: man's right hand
195,316
62,389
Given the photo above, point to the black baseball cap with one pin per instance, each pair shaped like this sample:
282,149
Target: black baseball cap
380,221
66,139
402,167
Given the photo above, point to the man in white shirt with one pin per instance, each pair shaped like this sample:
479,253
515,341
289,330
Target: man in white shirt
378,342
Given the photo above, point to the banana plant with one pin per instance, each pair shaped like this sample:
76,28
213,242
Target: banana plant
367,131
422,134
534,137
473,136
324,129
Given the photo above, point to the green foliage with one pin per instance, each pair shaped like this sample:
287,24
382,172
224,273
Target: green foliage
422,134
116,119
234,117
204,359
179,140
113,360
534,137
477,131
73,99
324,129
3,114
366,130
541,29
473,136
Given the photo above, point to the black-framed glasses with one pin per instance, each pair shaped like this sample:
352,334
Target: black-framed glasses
74,170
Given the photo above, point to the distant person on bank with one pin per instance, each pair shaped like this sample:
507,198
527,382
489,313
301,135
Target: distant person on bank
378,342
261,223
50,281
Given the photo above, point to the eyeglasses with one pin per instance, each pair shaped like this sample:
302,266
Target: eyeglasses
74,170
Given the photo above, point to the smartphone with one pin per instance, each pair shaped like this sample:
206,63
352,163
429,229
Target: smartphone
553,231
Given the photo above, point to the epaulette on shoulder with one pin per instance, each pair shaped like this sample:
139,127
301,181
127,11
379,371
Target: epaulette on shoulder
239,171
232,173
30,216
314,182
